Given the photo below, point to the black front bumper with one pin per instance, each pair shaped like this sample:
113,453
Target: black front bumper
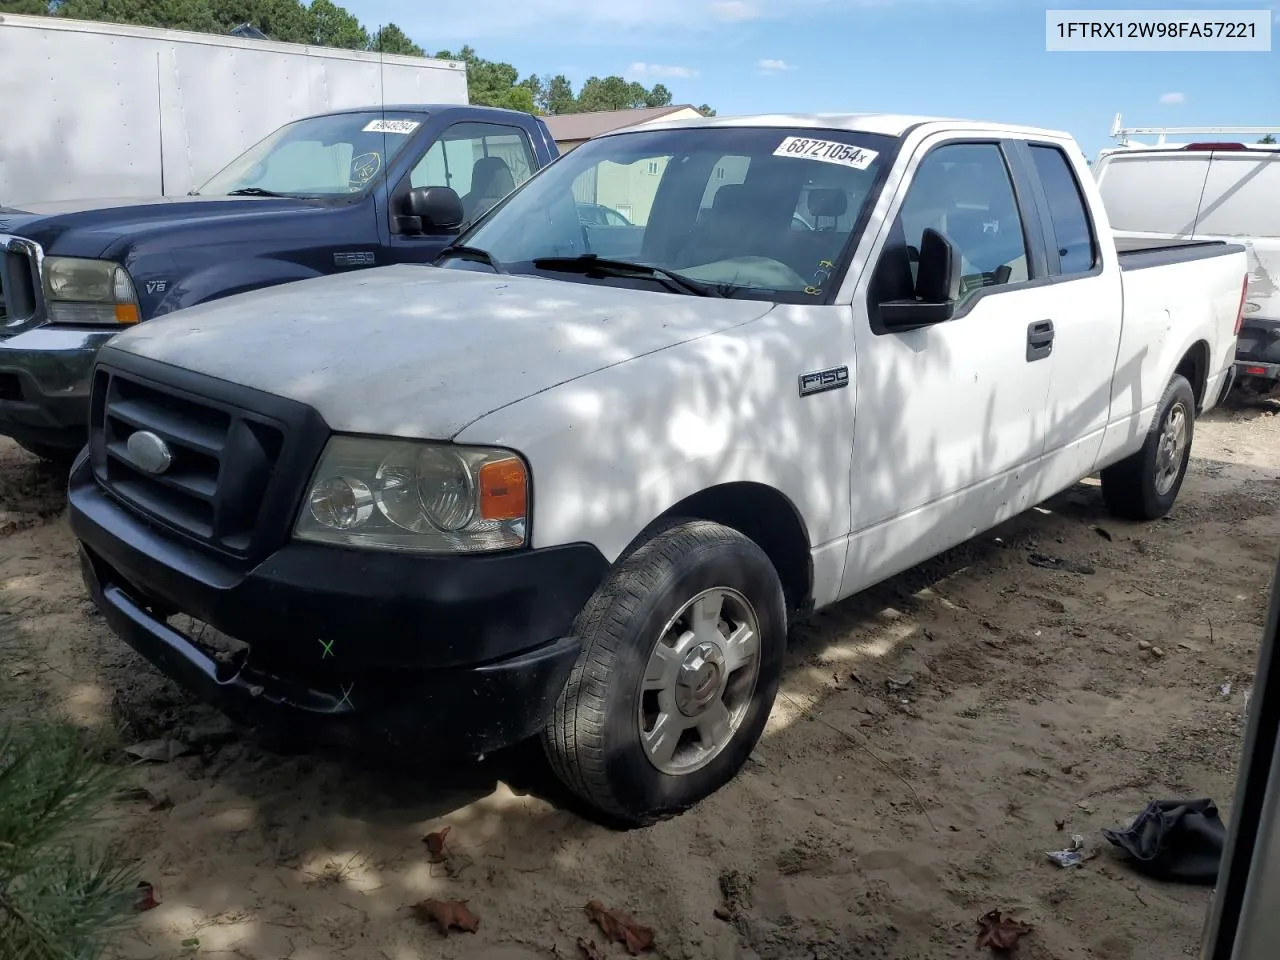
470,652
44,384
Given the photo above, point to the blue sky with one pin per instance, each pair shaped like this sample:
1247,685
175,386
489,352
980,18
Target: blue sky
983,59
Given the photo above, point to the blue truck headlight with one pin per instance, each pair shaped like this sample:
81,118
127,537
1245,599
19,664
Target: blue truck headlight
95,292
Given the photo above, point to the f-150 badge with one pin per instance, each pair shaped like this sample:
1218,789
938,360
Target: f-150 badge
833,378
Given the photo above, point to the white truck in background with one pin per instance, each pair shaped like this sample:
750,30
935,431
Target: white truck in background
576,480
100,110
1219,185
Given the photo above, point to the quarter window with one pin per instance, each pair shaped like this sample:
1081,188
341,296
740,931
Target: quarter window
1077,252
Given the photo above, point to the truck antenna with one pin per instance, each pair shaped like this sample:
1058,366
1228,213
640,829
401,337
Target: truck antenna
160,118
382,90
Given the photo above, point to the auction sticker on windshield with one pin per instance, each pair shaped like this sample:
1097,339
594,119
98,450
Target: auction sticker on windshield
828,151
392,126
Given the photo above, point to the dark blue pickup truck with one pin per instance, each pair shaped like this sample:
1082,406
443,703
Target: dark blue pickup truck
340,191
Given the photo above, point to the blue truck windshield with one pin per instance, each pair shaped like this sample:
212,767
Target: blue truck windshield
330,156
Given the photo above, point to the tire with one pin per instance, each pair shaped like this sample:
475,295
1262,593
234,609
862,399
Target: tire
60,457
595,741
1145,485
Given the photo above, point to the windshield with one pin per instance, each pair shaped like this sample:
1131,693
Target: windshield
747,212
331,156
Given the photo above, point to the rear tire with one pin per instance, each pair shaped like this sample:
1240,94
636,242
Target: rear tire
1145,485
671,690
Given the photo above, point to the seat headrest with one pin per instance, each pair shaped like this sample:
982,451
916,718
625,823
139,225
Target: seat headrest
731,199
491,176
828,202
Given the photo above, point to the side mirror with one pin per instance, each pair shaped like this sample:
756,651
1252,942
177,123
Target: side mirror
436,208
937,287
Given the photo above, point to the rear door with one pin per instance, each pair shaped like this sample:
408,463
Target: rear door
1087,312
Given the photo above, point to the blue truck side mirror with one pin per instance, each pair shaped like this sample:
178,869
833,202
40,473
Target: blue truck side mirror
436,208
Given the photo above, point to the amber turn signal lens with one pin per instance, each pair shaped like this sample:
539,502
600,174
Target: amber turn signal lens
127,313
503,490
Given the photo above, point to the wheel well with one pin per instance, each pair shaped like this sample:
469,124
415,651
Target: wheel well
771,520
1194,365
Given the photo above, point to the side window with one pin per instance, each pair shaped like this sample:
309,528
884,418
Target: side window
1070,218
482,162
964,191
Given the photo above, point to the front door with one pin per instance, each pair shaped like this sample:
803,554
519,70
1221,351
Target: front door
482,163
950,422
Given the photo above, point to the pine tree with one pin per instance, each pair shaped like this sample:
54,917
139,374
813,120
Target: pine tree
60,899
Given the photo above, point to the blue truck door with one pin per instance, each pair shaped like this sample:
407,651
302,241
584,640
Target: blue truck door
481,161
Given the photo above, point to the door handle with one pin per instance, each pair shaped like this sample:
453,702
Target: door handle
1039,340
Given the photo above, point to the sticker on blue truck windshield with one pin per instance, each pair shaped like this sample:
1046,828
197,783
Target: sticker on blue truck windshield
827,151
404,127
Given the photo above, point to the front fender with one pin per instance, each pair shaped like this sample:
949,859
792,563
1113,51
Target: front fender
227,279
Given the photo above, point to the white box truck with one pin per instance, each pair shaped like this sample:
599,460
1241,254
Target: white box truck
93,110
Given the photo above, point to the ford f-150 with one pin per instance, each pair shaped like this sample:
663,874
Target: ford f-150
576,479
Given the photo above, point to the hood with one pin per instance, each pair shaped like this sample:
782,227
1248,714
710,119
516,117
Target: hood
88,228
423,352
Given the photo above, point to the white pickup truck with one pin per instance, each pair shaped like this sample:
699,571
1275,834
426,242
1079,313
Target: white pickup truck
576,480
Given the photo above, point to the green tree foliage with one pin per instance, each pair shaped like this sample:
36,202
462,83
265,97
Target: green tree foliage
59,898
494,84
332,26
391,39
32,8
325,23
1268,138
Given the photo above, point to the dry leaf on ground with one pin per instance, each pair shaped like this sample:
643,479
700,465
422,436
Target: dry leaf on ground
1000,932
619,927
436,850
447,914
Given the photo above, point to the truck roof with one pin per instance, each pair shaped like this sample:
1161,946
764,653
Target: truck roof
414,108
891,124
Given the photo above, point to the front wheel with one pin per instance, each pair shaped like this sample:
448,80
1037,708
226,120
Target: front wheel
682,651
1145,485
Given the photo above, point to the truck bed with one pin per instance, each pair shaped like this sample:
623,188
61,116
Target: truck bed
1137,253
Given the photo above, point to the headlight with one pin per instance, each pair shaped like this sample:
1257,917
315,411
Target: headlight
416,496
89,291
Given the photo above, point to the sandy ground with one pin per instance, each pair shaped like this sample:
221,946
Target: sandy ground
871,823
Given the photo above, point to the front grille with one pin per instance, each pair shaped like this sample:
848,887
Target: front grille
19,281
228,485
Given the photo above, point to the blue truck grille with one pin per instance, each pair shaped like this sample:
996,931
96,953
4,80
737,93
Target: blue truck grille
222,459
19,282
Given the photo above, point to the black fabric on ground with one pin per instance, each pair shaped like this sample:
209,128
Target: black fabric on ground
1176,840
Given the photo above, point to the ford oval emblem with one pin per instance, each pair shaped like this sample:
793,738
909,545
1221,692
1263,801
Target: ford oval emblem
149,452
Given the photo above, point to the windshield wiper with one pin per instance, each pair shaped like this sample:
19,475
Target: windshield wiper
464,252
594,263
256,192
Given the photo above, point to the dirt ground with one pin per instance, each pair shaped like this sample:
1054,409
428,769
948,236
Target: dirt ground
935,737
